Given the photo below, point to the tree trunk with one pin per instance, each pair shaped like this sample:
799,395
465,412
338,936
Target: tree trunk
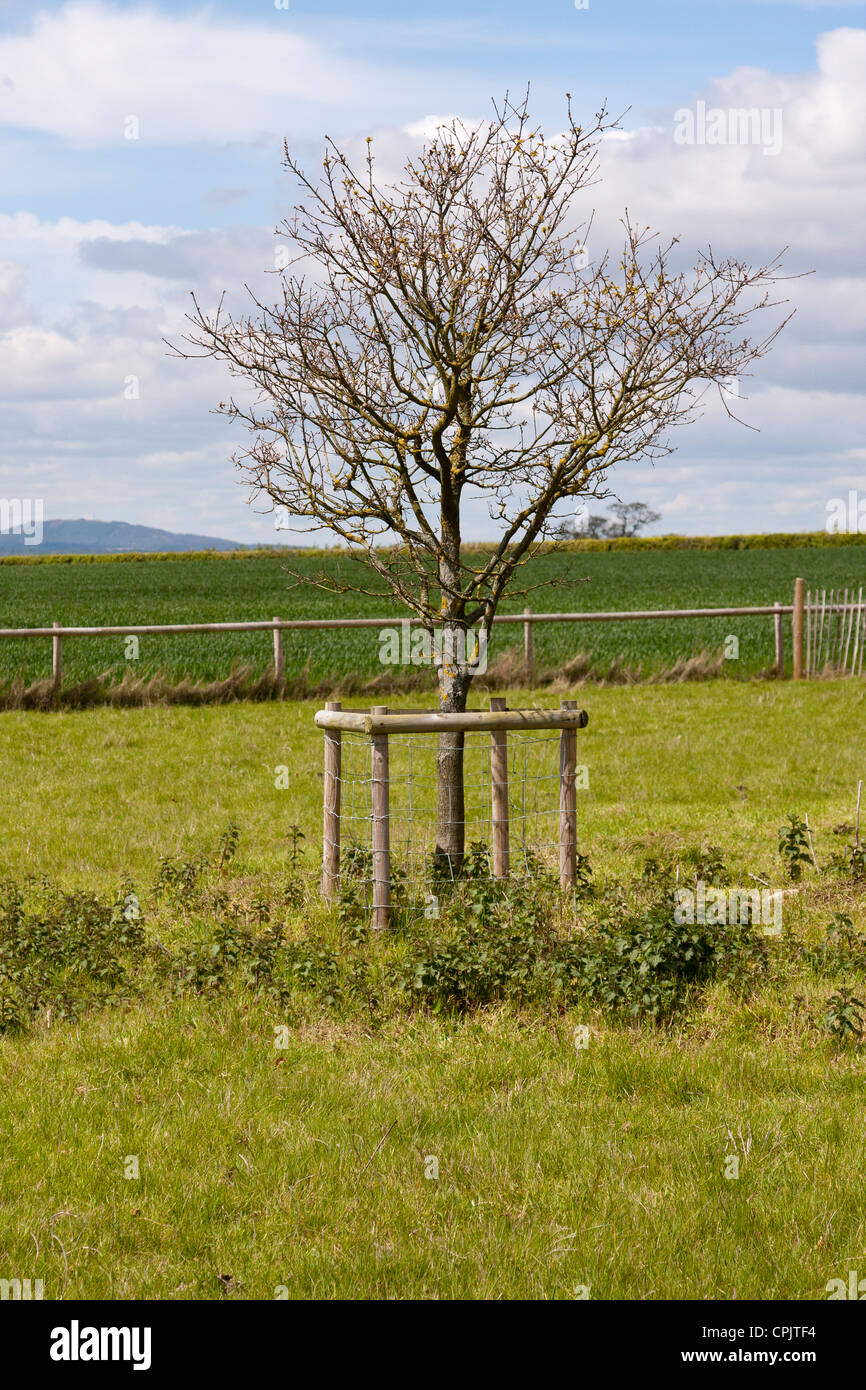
454,682
452,665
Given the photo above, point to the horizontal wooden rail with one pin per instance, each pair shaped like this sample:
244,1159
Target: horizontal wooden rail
174,629
802,614
300,624
419,722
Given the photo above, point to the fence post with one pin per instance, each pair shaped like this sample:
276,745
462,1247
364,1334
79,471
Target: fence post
499,795
780,642
529,650
331,803
279,659
567,802
797,627
857,632
381,827
56,660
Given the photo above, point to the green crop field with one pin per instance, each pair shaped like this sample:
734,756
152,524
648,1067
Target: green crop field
175,1128
239,588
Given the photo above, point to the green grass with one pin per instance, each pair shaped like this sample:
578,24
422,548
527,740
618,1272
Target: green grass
557,1169
95,793
244,589
304,1168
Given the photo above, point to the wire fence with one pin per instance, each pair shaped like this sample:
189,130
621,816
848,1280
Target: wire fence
418,876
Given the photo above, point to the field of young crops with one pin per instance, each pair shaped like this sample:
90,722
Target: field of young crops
240,588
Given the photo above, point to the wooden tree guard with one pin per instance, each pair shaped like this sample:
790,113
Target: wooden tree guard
567,803
331,804
381,828
378,723
499,796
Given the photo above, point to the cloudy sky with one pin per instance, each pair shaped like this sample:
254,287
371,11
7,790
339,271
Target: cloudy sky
141,159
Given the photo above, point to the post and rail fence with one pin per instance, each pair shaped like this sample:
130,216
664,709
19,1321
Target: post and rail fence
811,624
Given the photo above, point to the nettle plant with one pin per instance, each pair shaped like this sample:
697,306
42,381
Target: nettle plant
794,846
844,1016
62,953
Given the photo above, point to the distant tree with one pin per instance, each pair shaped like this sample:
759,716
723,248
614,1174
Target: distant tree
589,525
440,341
593,526
631,517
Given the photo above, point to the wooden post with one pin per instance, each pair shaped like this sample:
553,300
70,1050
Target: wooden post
529,650
57,660
567,803
807,668
279,659
331,803
797,627
780,642
857,632
499,796
381,828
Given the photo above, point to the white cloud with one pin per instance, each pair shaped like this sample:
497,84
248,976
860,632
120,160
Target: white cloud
79,73
426,129
15,306
85,303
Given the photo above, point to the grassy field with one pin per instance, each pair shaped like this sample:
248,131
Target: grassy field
223,589
306,1170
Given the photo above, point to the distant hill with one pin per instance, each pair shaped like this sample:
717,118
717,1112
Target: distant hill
83,537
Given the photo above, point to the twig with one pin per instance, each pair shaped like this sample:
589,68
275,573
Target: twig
811,846
154,942
63,1253
375,1151
857,827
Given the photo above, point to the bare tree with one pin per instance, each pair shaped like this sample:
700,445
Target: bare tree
631,517
594,526
442,339
589,526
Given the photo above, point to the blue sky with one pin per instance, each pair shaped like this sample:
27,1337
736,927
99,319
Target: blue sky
642,56
102,236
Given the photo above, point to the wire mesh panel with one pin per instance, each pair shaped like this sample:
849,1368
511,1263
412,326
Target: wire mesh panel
533,782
